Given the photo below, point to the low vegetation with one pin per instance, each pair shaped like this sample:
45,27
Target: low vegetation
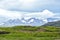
30,33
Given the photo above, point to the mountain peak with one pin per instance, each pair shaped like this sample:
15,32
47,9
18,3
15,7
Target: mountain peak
46,11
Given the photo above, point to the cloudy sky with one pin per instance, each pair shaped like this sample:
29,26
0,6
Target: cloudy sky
40,9
30,5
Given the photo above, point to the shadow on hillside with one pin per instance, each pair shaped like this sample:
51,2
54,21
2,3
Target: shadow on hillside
4,32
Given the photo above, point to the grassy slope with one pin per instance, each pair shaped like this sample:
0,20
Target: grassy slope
30,33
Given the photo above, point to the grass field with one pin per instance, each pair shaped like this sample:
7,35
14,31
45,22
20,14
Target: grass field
30,33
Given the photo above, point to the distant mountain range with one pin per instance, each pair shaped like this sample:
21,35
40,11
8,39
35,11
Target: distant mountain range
31,21
8,18
56,23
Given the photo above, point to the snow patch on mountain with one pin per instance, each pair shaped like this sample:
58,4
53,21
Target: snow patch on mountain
26,18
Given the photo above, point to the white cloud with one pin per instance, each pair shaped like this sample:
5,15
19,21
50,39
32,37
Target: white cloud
25,5
17,4
1,23
6,15
40,15
16,14
19,15
26,18
10,14
45,20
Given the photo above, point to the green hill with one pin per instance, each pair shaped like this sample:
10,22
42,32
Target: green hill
56,23
30,33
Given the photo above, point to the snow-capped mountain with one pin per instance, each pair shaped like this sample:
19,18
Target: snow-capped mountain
9,18
31,21
53,19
